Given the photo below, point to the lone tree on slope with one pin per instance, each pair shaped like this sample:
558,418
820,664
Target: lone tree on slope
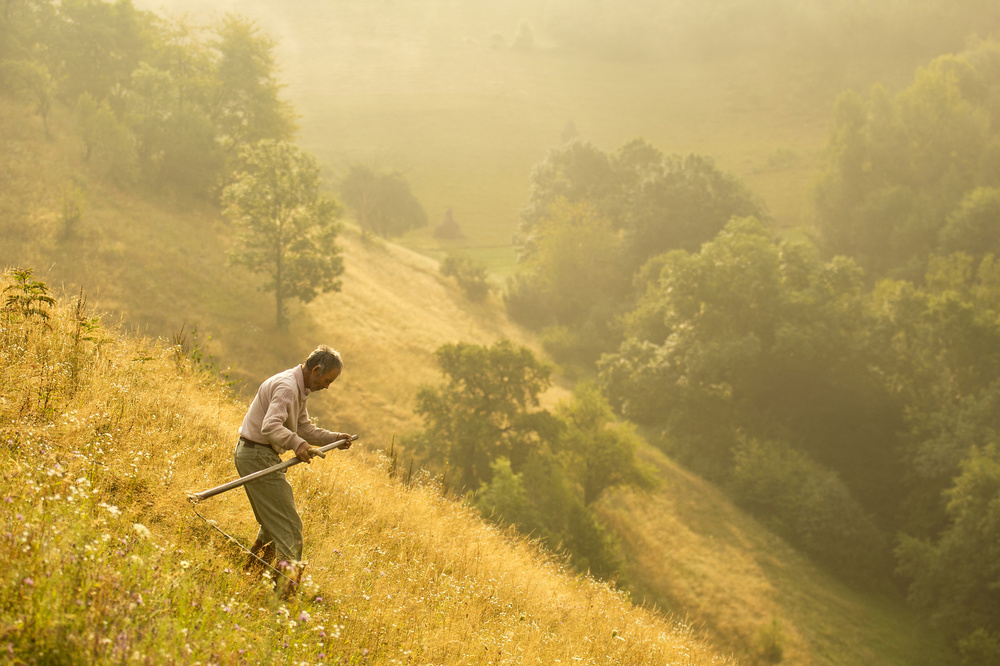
288,231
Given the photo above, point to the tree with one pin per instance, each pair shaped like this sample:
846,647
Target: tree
485,425
593,219
175,141
682,205
287,229
758,336
99,46
957,577
108,144
485,409
600,453
382,202
30,80
897,167
244,93
974,226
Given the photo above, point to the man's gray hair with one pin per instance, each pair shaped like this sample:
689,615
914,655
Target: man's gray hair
326,359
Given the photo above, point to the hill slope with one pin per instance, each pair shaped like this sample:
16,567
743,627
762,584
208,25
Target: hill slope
159,265
691,551
105,562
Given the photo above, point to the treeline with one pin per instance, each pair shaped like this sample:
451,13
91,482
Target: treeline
157,102
841,386
166,106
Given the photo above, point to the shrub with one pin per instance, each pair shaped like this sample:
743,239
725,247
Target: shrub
470,274
809,506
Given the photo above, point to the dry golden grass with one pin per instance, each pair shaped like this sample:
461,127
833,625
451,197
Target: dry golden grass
100,443
394,311
690,550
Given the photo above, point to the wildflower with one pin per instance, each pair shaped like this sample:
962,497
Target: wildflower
29,582
303,616
141,530
185,564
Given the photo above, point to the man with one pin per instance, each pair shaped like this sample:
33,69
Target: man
278,421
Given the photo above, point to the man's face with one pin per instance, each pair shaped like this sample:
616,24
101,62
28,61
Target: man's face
318,382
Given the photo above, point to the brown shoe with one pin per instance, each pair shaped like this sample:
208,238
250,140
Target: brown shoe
260,554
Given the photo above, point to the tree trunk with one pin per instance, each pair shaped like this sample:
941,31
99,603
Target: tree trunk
279,306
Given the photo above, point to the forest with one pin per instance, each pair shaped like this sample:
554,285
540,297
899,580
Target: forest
838,379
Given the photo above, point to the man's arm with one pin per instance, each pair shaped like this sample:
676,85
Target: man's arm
273,425
313,434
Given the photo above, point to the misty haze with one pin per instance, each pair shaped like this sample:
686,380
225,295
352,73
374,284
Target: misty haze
670,330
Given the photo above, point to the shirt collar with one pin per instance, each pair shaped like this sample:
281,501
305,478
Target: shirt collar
301,381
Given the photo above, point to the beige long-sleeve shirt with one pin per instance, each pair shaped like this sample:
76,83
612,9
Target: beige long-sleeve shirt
278,414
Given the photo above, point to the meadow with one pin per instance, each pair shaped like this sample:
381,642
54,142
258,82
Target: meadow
153,268
465,118
102,435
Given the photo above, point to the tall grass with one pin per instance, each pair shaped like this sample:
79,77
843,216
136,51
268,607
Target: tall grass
102,434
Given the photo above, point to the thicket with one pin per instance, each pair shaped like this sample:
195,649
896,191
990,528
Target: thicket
843,390
472,276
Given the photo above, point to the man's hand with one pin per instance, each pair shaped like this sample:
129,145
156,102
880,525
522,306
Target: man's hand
346,445
305,452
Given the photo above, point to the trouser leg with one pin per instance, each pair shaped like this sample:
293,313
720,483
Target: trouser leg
272,502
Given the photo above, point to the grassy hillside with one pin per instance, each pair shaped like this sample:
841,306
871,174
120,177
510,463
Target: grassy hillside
105,561
689,550
160,266
154,264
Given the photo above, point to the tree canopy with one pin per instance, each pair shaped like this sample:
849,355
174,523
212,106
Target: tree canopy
288,230
594,219
910,175
381,201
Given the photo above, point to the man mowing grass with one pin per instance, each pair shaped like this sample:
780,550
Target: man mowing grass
278,421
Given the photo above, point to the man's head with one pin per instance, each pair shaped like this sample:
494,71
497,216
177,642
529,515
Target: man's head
322,368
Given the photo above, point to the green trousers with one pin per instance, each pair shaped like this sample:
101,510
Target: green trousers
272,501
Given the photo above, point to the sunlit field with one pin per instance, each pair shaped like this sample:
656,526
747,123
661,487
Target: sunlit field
102,437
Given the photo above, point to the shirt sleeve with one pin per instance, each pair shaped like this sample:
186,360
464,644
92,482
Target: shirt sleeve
273,426
313,434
